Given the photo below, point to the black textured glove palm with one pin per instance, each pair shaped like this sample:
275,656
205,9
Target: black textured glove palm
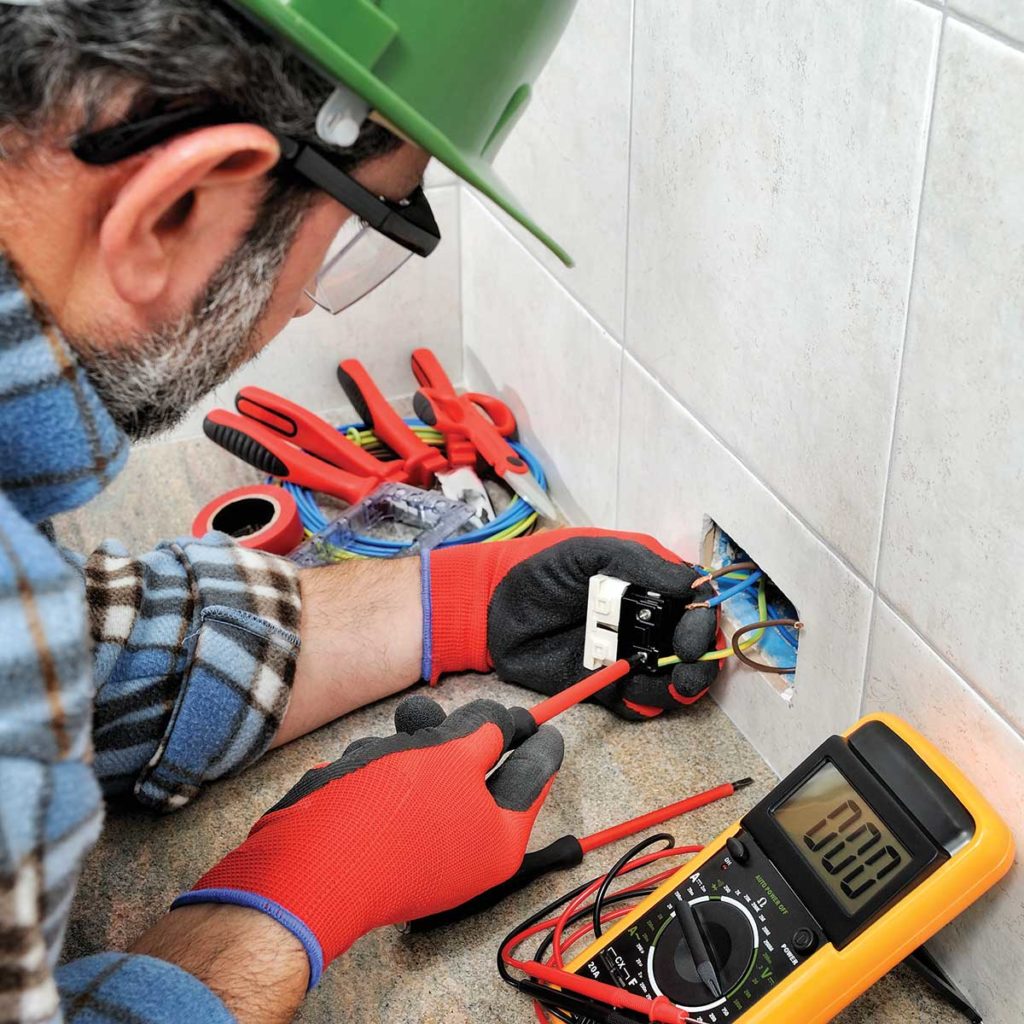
537,620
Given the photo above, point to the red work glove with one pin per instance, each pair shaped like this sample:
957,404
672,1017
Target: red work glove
520,607
396,829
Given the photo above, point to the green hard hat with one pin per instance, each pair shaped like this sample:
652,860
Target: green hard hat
453,76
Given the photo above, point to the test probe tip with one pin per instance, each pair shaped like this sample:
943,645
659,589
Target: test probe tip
742,783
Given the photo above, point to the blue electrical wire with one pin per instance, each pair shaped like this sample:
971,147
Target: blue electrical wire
314,520
746,584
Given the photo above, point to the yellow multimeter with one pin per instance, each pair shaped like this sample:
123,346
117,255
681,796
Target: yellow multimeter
851,863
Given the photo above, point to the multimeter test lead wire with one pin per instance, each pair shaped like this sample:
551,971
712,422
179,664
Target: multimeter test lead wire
556,990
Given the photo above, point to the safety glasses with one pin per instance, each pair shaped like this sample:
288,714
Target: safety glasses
373,243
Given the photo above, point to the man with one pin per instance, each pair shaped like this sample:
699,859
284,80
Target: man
173,174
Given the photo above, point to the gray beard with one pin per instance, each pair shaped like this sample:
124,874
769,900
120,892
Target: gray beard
149,382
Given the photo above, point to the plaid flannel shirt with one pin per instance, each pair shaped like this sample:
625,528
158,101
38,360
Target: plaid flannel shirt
149,675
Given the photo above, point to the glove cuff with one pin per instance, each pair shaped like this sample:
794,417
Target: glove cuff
456,587
285,918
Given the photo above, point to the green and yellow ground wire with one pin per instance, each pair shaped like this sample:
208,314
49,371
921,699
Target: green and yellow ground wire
755,629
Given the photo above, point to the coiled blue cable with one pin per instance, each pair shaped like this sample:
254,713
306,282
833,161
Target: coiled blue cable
517,512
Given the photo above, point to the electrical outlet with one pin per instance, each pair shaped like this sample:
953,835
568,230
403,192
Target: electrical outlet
778,647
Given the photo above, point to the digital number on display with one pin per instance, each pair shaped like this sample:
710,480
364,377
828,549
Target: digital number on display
846,844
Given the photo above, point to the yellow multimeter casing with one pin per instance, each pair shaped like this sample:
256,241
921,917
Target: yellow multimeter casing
821,929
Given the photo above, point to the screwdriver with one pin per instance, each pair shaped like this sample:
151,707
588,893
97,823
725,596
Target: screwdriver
527,720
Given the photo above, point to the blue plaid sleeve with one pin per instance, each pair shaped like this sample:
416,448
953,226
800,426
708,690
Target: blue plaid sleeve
120,988
195,647
58,448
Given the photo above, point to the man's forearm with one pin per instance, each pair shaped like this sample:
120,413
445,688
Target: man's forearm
362,640
256,967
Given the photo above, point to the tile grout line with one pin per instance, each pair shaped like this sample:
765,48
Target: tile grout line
800,519
968,685
912,278
498,216
750,471
986,30
685,406
962,17
625,268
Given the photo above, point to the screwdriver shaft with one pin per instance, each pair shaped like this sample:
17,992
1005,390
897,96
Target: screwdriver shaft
579,692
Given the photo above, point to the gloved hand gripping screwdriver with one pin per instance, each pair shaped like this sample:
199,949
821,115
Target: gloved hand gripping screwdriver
569,851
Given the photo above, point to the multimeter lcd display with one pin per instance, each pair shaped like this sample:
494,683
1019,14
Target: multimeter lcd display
844,841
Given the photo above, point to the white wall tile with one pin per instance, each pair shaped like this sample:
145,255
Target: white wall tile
1005,16
532,344
953,548
777,160
673,474
437,175
420,305
983,948
568,158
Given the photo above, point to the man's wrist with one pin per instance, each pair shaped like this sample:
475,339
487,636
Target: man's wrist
257,967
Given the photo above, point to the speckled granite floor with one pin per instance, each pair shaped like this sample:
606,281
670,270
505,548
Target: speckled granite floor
612,770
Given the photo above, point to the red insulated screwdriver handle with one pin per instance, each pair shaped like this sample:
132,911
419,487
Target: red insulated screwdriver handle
312,434
422,462
579,692
268,452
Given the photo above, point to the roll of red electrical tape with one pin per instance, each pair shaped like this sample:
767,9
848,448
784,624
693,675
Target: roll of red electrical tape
263,517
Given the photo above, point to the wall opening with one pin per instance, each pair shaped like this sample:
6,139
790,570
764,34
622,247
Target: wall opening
775,649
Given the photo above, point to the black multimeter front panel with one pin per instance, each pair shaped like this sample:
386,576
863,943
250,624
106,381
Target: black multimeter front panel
828,851
754,926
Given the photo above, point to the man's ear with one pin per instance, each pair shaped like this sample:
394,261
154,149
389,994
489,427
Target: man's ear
181,213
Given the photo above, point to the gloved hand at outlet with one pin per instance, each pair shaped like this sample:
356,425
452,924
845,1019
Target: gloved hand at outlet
394,830
520,608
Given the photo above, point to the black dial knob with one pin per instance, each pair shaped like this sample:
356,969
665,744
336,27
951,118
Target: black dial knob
730,941
737,850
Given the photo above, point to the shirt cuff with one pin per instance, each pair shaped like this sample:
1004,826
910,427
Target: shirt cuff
118,987
241,660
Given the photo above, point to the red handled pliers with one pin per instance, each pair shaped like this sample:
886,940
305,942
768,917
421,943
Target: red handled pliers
285,440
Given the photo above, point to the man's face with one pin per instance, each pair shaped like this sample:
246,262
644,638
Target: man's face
228,286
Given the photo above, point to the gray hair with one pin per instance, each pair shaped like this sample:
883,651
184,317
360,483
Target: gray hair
72,65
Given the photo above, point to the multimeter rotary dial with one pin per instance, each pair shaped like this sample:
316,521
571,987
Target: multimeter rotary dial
747,921
732,938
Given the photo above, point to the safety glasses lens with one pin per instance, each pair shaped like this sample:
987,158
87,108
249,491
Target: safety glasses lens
359,260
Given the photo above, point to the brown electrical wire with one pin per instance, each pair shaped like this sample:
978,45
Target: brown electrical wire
724,571
767,624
